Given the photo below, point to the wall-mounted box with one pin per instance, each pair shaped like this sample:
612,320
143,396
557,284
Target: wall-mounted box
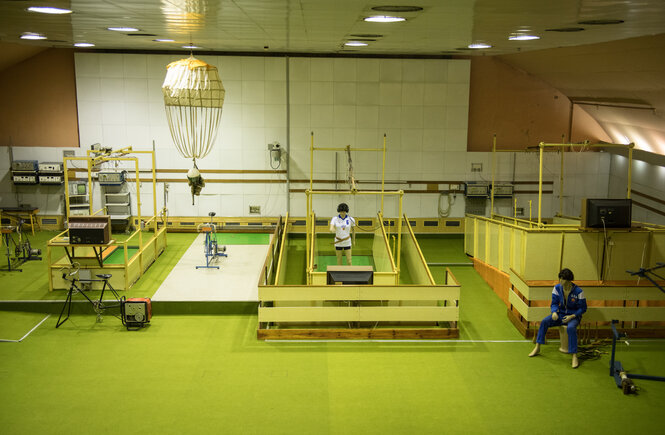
503,190
50,179
50,167
25,165
24,178
476,189
111,178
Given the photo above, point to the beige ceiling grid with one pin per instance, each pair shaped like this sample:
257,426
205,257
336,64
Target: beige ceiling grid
317,26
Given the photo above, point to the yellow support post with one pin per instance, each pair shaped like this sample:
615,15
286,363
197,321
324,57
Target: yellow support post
540,185
630,168
90,187
138,207
66,189
515,209
399,232
561,181
311,160
383,173
154,189
307,223
530,213
493,169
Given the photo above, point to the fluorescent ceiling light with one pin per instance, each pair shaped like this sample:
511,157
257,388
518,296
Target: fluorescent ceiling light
34,36
48,10
384,19
356,44
523,37
477,45
84,44
192,47
163,40
123,29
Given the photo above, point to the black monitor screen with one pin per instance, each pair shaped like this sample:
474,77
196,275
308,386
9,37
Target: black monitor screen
608,213
350,277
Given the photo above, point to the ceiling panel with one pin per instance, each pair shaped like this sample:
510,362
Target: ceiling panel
323,26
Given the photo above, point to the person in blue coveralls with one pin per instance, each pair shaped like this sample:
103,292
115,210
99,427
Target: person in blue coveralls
343,226
568,305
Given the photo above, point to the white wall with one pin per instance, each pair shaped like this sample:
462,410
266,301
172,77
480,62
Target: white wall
420,105
646,178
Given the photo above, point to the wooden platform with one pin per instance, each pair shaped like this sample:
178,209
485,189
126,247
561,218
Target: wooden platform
358,334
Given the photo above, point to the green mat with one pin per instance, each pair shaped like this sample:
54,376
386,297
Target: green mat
443,248
356,260
243,238
118,256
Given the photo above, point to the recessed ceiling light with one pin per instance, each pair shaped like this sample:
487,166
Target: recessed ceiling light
523,37
84,44
566,29
600,22
355,44
123,29
48,10
384,19
163,40
33,36
397,8
190,47
478,45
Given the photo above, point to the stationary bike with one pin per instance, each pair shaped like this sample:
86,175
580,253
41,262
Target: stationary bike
211,248
71,274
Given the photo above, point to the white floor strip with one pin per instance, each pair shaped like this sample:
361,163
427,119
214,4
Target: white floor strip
235,280
28,333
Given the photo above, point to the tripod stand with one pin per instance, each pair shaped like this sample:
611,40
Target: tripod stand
98,306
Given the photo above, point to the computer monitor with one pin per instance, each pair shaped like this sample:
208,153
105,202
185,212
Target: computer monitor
350,275
606,213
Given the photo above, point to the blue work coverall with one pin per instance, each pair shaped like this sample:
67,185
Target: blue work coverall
576,304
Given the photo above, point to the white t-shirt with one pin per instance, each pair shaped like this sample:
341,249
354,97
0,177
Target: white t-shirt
342,229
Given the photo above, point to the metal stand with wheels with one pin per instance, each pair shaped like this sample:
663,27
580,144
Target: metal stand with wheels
22,251
211,248
621,377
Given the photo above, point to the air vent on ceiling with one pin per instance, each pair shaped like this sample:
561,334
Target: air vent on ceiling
599,22
366,35
566,29
397,8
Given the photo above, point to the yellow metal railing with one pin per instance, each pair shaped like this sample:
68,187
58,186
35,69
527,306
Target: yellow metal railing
284,226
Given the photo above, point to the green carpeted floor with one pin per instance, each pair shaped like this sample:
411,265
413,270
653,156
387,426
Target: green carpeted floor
243,238
329,260
32,283
209,374
118,256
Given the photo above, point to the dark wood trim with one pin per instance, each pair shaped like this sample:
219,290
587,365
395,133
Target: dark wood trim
264,53
655,210
203,171
653,198
361,333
